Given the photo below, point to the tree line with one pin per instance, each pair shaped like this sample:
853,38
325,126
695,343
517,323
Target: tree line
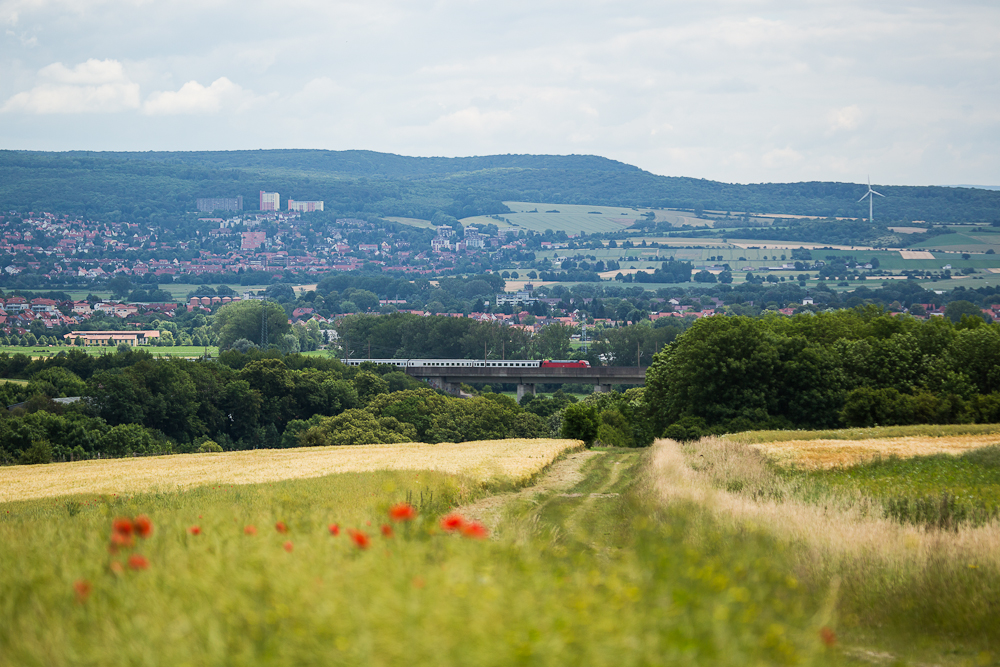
131,403
857,367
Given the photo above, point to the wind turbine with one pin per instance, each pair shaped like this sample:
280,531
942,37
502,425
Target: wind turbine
870,198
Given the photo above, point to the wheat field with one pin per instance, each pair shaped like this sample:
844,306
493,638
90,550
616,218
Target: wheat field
515,461
825,454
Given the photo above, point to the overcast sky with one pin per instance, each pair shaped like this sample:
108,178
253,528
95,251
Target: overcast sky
731,90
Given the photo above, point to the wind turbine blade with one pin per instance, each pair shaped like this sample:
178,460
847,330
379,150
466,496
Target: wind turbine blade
864,195
878,193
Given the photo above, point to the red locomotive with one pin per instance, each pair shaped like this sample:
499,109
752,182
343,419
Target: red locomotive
565,363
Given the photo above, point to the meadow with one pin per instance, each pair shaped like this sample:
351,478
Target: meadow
576,218
381,568
914,542
188,351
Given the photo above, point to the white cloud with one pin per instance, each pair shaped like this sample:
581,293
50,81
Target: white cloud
847,118
194,98
95,86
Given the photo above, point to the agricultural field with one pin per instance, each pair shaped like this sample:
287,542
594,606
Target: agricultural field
386,567
908,542
187,351
576,218
513,462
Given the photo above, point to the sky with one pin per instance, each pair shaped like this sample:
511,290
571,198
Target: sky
746,91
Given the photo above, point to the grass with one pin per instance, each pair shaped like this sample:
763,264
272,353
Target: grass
634,583
924,594
938,490
489,462
98,350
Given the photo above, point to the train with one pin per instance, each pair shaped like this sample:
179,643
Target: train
473,363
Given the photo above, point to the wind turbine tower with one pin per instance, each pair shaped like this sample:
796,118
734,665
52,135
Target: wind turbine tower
870,198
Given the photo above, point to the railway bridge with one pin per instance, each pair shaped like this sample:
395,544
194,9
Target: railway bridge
602,377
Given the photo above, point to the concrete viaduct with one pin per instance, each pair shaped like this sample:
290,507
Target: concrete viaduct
602,377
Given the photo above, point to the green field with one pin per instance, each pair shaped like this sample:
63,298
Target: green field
599,575
576,218
965,241
97,350
938,490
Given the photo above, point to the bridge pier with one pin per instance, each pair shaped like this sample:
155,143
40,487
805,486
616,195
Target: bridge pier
523,389
453,388
602,388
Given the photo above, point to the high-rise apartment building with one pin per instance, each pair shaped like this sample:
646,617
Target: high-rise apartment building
304,206
270,201
209,204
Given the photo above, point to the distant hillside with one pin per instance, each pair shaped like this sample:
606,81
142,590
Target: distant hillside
162,185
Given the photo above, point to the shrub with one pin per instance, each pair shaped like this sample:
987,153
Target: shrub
580,422
40,451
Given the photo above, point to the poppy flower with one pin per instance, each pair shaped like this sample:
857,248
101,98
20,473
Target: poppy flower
120,541
386,530
288,546
360,539
116,567
82,588
250,530
827,636
452,522
281,527
143,526
137,562
195,530
475,530
334,529
402,512
122,525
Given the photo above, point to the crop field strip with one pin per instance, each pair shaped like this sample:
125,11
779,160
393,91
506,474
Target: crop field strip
822,454
515,461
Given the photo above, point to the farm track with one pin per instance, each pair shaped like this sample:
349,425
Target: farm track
576,502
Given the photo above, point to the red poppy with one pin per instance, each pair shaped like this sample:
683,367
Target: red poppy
386,530
360,539
281,527
250,530
122,525
334,529
82,588
827,636
402,512
195,530
143,526
137,562
475,530
452,522
120,541
288,546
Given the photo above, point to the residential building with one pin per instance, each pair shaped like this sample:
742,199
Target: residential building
270,201
304,206
253,240
209,204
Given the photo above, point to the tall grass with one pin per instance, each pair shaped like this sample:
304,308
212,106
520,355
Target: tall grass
676,590
944,584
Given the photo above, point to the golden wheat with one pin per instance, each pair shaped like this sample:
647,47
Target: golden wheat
816,454
515,460
843,531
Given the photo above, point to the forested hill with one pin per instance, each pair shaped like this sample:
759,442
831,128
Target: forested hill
161,185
